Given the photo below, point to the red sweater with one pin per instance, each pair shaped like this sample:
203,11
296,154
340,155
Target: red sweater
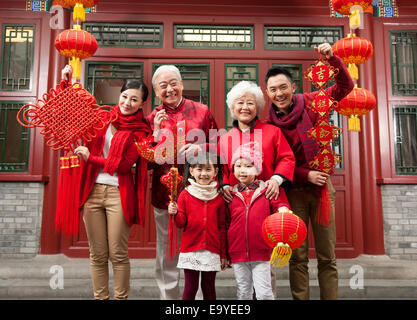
244,234
278,156
203,224
91,168
196,116
338,91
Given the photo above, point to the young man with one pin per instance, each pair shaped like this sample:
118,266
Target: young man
289,112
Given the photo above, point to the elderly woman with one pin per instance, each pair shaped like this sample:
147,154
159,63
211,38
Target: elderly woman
245,101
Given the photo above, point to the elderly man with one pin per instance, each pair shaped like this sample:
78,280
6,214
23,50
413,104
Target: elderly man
288,111
175,109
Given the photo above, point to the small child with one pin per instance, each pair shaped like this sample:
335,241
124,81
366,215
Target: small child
200,212
248,252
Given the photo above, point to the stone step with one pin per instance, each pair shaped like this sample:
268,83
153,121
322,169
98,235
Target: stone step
383,278
225,289
40,268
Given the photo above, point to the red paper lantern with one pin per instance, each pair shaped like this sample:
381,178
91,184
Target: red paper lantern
283,231
343,6
76,44
353,51
357,103
85,3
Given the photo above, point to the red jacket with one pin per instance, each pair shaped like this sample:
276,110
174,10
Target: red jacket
90,170
244,234
203,224
338,91
278,156
196,116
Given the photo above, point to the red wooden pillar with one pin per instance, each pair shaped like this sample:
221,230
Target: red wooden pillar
370,160
51,240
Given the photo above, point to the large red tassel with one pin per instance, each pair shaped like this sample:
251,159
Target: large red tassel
324,209
61,198
172,243
68,196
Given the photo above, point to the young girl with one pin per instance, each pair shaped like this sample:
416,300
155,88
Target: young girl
200,212
111,197
248,252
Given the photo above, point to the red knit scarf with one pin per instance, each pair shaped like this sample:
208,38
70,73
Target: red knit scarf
299,117
128,127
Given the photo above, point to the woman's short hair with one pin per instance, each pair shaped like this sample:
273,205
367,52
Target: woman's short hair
136,84
243,88
165,68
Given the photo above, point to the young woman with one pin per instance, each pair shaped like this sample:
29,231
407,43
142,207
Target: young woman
111,197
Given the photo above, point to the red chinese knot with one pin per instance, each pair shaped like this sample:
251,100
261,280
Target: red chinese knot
67,114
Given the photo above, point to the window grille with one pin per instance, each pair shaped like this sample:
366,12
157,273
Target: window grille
126,35
213,37
293,38
405,126
404,62
14,139
17,57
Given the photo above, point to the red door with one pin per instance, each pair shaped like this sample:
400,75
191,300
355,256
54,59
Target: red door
104,78
208,81
348,220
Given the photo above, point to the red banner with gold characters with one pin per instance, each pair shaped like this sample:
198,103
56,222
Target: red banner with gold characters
320,74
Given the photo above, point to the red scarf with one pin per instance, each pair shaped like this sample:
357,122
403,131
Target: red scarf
128,127
299,117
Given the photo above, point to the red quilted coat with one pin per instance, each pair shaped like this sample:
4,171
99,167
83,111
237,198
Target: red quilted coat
278,156
244,235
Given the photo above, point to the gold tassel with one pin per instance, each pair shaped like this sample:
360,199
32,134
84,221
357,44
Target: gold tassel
354,123
280,255
355,19
353,71
75,63
79,13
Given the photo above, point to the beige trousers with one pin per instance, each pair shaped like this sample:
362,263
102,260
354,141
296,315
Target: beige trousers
304,205
167,274
108,235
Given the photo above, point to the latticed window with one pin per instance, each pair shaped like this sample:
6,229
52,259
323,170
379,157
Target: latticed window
17,57
196,81
235,73
404,62
14,139
105,79
405,126
126,35
213,37
292,38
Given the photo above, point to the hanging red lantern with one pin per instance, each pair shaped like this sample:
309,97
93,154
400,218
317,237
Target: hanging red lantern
85,3
283,231
79,5
344,6
357,103
353,51
76,44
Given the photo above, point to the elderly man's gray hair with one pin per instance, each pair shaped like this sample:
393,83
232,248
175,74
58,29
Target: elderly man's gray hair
165,68
244,88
